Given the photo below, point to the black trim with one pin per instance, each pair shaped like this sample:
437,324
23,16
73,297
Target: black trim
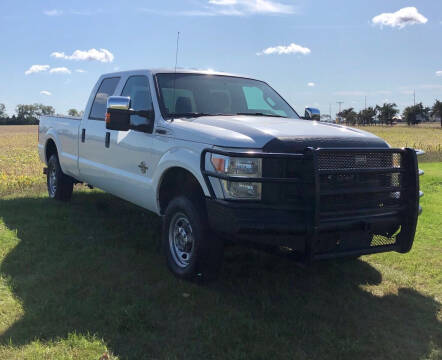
83,135
107,139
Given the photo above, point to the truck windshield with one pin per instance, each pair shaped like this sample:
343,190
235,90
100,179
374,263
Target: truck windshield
193,95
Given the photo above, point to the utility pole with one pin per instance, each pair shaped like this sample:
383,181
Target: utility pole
329,110
365,102
414,97
340,103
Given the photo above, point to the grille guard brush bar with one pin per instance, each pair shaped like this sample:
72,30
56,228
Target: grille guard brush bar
312,192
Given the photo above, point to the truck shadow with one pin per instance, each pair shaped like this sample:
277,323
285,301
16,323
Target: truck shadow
92,267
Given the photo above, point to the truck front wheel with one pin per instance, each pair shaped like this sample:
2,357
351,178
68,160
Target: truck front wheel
60,186
191,250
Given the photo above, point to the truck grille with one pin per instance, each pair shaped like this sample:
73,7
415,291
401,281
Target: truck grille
346,186
358,160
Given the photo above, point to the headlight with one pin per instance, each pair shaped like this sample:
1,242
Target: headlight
239,167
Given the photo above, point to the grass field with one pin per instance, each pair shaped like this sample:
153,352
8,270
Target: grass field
427,137
81,279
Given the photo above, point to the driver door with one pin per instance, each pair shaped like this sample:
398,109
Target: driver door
130,152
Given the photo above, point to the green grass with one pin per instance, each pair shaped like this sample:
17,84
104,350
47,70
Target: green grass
84,278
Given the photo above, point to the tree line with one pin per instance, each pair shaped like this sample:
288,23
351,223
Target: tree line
27,114
385,114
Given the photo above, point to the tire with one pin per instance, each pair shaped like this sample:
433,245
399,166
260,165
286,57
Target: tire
59,185
192,251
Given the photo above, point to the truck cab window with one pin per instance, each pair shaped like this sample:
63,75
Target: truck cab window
106,89
137,88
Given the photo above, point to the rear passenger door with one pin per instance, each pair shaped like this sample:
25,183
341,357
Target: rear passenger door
92,155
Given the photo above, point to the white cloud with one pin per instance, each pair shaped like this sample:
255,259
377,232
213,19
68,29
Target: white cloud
45,92
311,84
53,12
80,71
60,70
439,73
289,49
232,8
401,18
102,55
37,68
223,2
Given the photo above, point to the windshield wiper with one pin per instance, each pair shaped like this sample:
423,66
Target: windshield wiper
189,114
260,114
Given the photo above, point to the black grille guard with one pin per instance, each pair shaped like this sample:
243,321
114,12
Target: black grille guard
315,222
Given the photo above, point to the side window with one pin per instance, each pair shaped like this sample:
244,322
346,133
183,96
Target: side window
106,89
137,88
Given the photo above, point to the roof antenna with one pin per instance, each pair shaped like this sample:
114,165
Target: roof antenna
174,74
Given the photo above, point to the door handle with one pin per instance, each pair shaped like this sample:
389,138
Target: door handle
83,135
107,139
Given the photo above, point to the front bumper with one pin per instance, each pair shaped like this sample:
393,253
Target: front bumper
314,226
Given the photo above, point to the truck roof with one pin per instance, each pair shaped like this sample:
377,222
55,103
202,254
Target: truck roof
178,70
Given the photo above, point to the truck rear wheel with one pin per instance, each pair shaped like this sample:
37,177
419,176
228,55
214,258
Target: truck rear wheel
60,186
191,250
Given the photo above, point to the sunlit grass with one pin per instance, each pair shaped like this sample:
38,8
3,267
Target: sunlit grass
427,137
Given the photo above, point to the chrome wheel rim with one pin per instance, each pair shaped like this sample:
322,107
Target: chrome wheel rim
52,181
181,240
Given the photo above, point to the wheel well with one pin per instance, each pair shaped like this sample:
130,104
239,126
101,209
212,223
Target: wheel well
178,181
51,149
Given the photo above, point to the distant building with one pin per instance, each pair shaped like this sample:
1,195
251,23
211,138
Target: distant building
435,118
326,118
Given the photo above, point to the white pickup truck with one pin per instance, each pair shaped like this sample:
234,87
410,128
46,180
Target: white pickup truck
224,158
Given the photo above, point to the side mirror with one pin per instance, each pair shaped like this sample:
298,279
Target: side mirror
118,113
312,114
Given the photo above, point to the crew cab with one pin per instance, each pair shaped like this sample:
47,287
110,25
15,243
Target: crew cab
225,159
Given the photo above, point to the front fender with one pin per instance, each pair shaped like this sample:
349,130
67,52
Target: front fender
184,157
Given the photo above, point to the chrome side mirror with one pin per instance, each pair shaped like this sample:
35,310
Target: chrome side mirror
118,113
312,114
118,102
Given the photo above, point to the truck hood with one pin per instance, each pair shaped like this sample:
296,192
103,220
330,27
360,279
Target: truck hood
271,133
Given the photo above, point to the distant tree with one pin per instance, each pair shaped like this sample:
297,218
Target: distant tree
3,111
29,113
387,112
366,116
44,109
349,115
26,113
411,114
437,110
73,112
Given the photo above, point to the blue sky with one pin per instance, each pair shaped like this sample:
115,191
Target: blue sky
314,52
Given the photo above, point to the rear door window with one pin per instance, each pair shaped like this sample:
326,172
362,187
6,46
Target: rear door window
106,89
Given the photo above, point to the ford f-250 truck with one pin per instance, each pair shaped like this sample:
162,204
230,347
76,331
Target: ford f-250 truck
225,158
